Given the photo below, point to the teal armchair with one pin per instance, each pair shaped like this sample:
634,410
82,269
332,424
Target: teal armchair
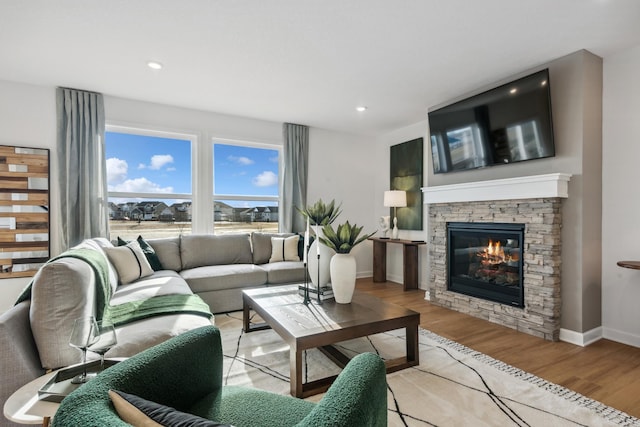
185,372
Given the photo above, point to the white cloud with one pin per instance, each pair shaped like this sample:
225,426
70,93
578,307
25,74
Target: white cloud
116,170
244,161
160,160
265,179
273,159
142,166
171,169
140,185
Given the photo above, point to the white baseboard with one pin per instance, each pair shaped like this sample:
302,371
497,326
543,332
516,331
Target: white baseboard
621,337
582,339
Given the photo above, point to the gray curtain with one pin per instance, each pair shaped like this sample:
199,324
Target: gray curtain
81,166
294,179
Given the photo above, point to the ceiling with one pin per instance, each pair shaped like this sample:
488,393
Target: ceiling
302,61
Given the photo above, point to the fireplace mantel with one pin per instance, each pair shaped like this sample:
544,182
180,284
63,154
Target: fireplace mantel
525,187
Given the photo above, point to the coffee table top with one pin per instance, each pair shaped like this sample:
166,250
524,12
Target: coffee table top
282,308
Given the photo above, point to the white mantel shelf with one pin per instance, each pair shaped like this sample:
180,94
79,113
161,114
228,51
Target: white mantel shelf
524,187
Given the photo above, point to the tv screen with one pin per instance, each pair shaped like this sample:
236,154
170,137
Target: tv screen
508,124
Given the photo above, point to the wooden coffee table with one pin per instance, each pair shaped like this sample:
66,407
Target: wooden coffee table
320,325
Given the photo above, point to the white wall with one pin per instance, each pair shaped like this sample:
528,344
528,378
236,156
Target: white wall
621,204
382,182
27,118
344,167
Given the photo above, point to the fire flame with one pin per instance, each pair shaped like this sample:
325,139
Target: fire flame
493,254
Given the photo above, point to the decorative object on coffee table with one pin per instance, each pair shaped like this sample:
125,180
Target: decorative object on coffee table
395,199
319,215
343,264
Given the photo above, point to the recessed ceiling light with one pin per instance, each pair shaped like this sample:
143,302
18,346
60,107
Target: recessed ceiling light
154,65
361,108
544,83
512,91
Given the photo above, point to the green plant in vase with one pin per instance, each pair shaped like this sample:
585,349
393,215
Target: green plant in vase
318,215
343,265
344,238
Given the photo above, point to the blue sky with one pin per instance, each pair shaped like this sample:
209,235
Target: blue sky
137,163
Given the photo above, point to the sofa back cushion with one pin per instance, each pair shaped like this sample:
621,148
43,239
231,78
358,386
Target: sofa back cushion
168,251
261,245
198,250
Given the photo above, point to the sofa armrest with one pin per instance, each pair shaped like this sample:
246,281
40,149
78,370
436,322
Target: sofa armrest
19,362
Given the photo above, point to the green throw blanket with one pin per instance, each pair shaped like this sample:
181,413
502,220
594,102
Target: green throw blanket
131,311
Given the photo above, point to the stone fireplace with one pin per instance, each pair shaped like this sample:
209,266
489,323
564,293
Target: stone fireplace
531,204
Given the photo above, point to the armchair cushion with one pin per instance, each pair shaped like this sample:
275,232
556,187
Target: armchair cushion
141,412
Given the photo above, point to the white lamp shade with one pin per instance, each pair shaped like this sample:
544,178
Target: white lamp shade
395,199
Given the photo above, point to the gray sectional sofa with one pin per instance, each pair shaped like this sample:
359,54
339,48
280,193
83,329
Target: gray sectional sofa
34,334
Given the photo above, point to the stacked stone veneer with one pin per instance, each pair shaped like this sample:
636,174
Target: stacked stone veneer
541,262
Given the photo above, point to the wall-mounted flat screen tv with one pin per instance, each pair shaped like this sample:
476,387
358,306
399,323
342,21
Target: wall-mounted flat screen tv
508,124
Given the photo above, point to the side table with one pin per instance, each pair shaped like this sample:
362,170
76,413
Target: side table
24,407
410,260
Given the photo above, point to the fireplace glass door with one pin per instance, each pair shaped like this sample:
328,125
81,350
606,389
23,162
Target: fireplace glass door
485,261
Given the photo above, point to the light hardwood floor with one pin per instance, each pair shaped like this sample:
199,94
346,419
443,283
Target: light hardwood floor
606,371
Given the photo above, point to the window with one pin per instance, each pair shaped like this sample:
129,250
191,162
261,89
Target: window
246,185
165,184
149,183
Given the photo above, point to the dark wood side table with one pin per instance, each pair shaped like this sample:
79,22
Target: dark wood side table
410,260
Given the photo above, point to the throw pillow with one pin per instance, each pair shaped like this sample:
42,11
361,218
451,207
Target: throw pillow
142,412
149,252
129,261
284,249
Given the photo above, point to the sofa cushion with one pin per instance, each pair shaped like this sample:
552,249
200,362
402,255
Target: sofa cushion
163,282
140,335
215,277
199,250
284,272
284,249
261,245
168,252
129,261
148,251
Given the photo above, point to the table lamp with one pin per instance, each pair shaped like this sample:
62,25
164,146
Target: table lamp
395,199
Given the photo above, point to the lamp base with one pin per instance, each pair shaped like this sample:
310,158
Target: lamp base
394,232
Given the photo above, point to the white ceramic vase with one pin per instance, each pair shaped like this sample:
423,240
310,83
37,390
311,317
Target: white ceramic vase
326,253
343,277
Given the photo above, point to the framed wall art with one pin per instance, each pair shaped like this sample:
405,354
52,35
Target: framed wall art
406,174
24,210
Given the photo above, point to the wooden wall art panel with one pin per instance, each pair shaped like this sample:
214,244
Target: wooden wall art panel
24,210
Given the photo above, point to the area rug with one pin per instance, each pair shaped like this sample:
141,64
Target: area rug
452,386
